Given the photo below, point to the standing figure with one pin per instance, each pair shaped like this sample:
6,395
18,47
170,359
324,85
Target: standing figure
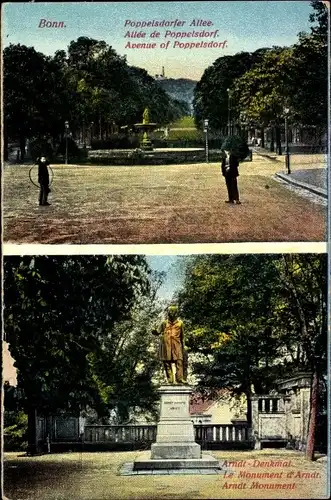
230,171
43,179
172,346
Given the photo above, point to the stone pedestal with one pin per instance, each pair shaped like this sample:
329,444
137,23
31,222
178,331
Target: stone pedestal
175,431
175,446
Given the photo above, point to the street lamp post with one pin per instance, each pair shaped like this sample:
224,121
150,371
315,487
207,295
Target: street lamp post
243,124
287,151
84,135
229,111
91,131
206,124
66,125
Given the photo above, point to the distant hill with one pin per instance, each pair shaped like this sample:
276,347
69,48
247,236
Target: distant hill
179,88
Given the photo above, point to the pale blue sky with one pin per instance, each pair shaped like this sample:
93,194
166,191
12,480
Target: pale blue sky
245,25
173,266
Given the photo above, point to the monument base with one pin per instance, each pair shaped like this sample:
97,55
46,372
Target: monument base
161,451
175,447
205,462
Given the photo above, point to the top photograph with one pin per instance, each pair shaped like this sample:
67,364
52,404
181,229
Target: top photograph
164,122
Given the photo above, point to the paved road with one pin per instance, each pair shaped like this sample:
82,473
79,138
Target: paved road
316,177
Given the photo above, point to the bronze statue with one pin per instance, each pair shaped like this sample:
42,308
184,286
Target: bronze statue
172,347
146,116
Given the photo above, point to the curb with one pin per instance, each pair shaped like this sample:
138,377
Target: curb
267,155
308,187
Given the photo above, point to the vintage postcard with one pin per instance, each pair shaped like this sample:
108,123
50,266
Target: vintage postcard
166,304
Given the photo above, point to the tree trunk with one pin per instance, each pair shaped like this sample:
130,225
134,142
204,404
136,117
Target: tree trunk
272,140
248,394
84,135
262,137
278,141
22,147
32,431
312,418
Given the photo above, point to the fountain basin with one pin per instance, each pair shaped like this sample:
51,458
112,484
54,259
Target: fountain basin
158,156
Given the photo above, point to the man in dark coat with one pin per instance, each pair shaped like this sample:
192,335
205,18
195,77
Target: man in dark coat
230,171
43,179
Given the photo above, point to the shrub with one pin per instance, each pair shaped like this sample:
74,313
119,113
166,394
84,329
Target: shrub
73,149
15,435
41,147
237,146
116,141
184,121
186,135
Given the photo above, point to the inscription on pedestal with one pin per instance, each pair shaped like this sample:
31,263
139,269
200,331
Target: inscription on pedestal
174,408
174,405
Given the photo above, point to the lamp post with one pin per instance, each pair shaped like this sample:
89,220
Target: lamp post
206,124
229,111
287,152
243,123
84,135
66,125
91,133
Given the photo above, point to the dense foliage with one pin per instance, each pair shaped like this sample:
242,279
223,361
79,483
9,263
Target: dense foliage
77,328
254,89
90,86
253,319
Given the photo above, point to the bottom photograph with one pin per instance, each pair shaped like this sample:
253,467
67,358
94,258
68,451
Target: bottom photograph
137,376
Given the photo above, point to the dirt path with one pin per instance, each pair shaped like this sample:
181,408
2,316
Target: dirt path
95,476
158,204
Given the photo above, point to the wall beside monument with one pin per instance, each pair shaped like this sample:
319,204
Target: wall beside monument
283,417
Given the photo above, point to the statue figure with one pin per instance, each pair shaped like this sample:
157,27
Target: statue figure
172,347
146,116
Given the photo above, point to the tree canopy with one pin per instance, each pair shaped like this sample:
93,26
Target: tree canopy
88,83
255,88
252,319
66,317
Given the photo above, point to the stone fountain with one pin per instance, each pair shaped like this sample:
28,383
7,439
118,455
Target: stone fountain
146,127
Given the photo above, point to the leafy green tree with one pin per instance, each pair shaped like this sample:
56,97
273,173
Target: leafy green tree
90,83
15,420
303,320
59,312
309,75
253,319
124,378
262,92
227,301
83,52
211,98
31,83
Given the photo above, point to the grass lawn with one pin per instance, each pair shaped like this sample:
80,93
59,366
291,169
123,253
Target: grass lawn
94,476
184,122
158,204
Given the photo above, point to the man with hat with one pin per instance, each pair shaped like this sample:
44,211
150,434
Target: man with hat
230,171
43,179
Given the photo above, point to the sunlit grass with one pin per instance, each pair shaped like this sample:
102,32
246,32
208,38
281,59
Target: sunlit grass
157,204
95,476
